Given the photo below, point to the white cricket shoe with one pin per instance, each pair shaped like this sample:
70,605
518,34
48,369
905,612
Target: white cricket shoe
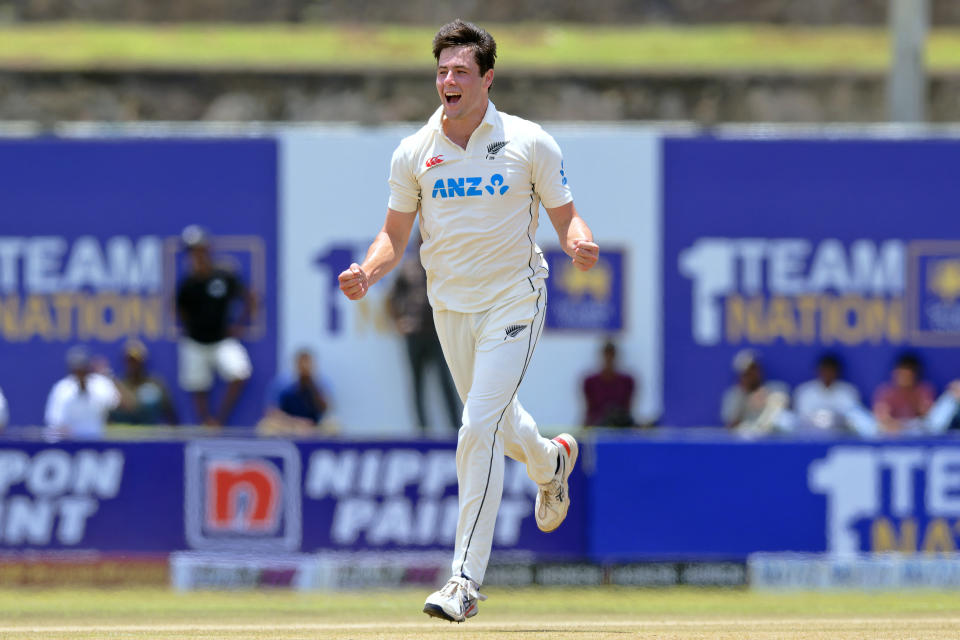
456,601
553,499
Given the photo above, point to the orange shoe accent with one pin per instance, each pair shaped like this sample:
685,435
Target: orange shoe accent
564,443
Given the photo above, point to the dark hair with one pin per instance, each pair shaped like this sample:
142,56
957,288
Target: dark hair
459,33
831,360
909,361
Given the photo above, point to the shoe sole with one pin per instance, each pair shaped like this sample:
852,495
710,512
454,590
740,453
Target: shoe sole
574,454
436,611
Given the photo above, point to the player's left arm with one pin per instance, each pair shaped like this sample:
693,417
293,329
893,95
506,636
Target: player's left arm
575,236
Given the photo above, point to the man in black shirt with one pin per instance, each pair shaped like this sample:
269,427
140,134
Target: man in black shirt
204,303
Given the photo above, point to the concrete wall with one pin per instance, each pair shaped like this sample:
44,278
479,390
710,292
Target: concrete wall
484,11
409,96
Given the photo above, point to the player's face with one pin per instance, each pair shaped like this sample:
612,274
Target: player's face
463,91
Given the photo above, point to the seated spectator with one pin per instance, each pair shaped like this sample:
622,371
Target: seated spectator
4,411
829,403
609,393
147,400
902,403
78,404
298,406
945,413
754,405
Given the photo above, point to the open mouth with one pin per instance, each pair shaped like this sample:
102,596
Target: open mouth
452,98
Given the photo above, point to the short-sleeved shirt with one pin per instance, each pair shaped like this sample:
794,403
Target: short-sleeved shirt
82,413
204,304
479,206
905,403
609,399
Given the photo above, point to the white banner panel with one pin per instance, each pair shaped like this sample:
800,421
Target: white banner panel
333,199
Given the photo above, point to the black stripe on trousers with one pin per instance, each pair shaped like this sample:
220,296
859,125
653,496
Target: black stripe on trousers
530,344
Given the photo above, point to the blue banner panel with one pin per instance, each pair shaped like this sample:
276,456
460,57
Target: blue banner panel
585,300
90,253
101,496
723,500
796,247
259,496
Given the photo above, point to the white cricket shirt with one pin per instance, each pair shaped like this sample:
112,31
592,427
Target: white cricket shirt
479,206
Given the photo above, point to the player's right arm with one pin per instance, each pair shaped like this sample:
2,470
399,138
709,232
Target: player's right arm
383,255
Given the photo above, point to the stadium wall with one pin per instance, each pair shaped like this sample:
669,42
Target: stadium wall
670,499
711,244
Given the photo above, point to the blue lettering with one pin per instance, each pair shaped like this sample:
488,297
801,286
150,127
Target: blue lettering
439,188
455,187
473,190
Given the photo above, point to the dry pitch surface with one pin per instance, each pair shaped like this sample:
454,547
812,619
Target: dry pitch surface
605,613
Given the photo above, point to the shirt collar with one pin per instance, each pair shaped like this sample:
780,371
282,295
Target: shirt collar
490,117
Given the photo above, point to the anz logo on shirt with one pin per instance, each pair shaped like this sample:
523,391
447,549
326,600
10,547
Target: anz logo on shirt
469,187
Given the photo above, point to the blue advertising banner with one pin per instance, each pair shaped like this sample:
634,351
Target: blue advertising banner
258,496
796,247
585,300
90,253
724,499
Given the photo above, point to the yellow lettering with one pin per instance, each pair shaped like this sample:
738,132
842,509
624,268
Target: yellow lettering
735,319
109,318
808,306
938,537
10,311
780,320
63,312
36,319
895,320
883,536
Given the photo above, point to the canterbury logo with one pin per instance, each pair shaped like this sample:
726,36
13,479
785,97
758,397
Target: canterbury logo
494,148
514,330
434,161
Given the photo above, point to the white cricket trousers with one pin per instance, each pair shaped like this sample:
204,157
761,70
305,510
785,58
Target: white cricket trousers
488,352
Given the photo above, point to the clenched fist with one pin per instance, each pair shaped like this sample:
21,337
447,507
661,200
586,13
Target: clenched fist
585,254
353,282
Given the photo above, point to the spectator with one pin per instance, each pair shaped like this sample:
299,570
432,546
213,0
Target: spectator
945,413
902,403
149,400
299,405
4,411
79,403
408,306
204,300
609,393
830,403
754,405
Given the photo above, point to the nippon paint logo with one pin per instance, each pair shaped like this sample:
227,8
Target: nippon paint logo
243,495
49,497
405,497
890,498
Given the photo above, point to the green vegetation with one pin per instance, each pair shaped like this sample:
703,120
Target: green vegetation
87,46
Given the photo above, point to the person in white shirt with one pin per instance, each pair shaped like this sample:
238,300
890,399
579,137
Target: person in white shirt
4,411
478,176
829,403
78,404
945,412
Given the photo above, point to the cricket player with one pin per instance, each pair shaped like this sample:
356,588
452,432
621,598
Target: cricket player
477,177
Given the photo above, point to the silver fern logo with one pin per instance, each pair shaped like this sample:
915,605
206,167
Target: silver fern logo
514,330
494,148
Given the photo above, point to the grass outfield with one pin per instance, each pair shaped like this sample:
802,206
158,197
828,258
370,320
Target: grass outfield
516,614
541,46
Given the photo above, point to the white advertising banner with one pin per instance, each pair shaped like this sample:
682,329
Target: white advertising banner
333,199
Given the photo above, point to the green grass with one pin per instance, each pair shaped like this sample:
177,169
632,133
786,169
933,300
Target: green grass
84,46
604,613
